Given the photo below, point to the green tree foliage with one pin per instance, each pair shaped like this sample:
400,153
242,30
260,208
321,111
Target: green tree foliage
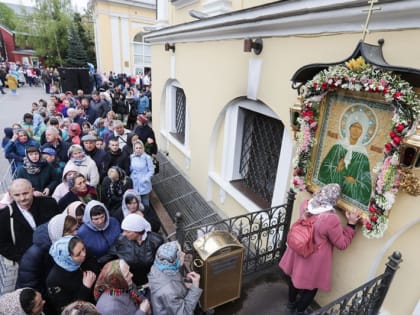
48,28
84,26
8,17
76,54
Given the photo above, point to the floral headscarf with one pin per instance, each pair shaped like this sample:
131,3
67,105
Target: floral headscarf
10,303
60,252
325,199
33,167
168,258
111,281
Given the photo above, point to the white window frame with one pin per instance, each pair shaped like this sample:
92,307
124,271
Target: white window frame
170,120
231,155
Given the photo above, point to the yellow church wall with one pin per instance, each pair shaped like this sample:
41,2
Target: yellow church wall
214,73
107,37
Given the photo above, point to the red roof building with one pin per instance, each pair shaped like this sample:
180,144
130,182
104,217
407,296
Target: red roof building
9,52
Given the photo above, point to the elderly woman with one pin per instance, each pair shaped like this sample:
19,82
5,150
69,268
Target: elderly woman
73,275
170,294
113,188
116,293
137,246
83,164
79,190
141,171
308,274
99,231
24,301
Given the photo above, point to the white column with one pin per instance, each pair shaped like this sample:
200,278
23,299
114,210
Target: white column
162,14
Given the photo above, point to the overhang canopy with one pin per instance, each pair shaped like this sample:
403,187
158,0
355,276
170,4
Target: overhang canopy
371,53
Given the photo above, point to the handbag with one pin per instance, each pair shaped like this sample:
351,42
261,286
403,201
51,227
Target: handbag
155,163
8,268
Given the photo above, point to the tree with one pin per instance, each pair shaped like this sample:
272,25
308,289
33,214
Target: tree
76,54
8,18
84,26
48,26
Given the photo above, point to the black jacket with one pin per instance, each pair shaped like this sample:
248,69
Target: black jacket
65,287
140,258
36,263
42,210
110,196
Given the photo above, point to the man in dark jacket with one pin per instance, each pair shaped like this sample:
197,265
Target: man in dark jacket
28,212
115,157
53,140
146,134
98,155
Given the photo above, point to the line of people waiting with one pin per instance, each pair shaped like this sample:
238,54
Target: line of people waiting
78,222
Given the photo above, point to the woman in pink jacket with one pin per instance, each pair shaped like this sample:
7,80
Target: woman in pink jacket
307,275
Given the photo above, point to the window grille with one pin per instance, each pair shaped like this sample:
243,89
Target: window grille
261,145
179,115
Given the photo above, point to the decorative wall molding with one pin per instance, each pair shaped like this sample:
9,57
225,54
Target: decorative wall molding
291,18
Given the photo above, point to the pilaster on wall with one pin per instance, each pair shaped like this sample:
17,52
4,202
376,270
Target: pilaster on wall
216,7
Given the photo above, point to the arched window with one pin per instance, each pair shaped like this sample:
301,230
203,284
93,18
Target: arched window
254,165
141,53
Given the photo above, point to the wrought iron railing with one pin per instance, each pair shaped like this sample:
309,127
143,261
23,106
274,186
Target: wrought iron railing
7,177
262,234
366,299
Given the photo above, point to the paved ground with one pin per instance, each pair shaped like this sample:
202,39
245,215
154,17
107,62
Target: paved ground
12,108
262,293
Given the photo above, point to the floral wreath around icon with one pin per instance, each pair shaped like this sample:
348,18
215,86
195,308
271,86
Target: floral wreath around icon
357,75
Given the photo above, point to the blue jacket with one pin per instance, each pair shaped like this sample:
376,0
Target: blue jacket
15,150
98,241
143,105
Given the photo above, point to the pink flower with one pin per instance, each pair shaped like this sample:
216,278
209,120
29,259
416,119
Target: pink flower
397,94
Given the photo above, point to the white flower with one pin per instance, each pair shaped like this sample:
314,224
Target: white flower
377,168
395,160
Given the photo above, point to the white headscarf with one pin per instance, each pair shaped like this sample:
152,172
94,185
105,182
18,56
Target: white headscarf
136,223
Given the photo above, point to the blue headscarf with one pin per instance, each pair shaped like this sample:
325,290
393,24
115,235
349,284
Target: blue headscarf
61,254
168,257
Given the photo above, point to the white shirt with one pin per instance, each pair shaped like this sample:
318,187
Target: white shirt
28,217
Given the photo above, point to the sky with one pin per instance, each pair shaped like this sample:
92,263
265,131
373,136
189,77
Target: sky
79,5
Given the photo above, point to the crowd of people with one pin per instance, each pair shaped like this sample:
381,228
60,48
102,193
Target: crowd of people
77,219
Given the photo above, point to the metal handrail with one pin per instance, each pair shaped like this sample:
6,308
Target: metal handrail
367,299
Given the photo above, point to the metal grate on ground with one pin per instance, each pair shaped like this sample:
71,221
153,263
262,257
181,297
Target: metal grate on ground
178,195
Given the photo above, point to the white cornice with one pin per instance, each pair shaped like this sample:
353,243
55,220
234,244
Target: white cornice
179,4
146,4
305,17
